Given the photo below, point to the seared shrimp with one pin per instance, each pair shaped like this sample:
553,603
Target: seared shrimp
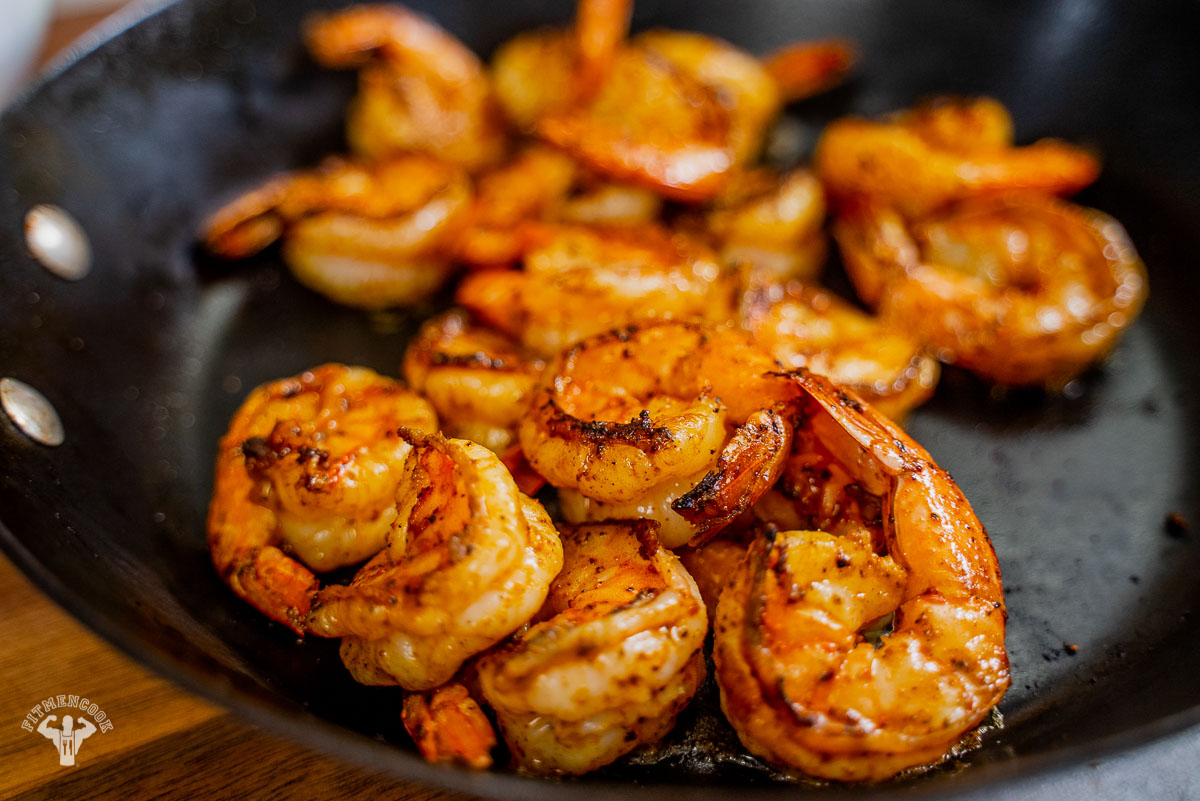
468,561
887,532
368,235
637,422
711,565
448,725
743,88
532,186
580,280
944,151
772,223
479,381
309,467
805,326
1019,288
420,89
615,663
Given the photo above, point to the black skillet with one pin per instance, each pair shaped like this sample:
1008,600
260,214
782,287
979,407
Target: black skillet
147,357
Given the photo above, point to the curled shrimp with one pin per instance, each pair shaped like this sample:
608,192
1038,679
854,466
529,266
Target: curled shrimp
1019,288
886,532
367,235
806,326
711,565
469,560
420,89
772,223
478,380
745,90
306,480
580,280
615,662
943,151
448,725
672,421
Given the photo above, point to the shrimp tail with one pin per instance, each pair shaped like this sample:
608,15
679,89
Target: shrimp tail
448,725
276,585
749,465
804,69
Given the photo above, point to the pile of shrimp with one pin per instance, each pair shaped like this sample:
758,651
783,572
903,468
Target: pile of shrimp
639,341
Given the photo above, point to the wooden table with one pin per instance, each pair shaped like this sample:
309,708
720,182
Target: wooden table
165,743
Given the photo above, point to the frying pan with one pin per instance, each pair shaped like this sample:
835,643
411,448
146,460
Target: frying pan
146,358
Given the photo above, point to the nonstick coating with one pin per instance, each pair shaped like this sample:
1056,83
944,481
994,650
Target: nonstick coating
147,358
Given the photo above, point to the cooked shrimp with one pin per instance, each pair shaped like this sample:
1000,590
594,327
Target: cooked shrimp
747,92
638,419
806,326
941,152
605,203
309,467
711,565
468,561
368,235
1019,288
772,223
533,185
803,69
478,380
580,280
420,89
448,725
889,532
613,666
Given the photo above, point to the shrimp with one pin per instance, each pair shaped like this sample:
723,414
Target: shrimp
1019,288
638,420
448,725
941,152
367,235
615,662
772,223
744,89
306,480
804,69
478,380
468,561
884,531
532,186
581,280
600,30
420,89
806,326
711,565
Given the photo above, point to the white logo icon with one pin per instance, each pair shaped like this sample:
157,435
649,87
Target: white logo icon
74,729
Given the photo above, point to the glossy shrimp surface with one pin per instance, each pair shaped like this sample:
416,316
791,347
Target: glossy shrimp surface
581,280
671,421
772,223
1019,288
306,480
806,326
420,89
448,725
943,151
478,380
362,234
615,660
881,531
469,560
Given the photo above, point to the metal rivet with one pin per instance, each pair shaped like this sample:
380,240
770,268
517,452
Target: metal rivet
31,412
56,240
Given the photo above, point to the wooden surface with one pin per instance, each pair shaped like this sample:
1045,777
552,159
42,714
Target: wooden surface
164,743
